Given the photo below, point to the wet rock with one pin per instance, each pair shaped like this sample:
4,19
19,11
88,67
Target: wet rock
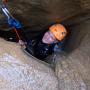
73,69
21,72
40,13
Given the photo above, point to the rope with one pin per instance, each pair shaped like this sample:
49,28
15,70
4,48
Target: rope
19,38
16,31
5,1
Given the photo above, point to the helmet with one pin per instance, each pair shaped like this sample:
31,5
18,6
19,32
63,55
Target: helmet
58,31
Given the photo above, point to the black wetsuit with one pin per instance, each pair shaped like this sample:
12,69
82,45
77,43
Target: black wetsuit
39,49
34,46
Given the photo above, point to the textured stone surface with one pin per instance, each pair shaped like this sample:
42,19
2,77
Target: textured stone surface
20,72
40,13
73,69
85,4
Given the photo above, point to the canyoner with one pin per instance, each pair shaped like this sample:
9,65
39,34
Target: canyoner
40,47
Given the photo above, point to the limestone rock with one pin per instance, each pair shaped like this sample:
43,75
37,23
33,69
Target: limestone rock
20,72
73,69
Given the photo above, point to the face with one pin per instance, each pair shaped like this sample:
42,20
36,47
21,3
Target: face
49,38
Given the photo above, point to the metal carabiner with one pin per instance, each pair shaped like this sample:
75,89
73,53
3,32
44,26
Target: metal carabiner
6,12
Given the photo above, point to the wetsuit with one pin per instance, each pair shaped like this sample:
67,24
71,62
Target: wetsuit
39,49
34,46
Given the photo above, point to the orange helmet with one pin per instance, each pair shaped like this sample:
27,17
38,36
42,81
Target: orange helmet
59,31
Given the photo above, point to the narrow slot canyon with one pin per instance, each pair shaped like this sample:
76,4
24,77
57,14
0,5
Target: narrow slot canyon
70,68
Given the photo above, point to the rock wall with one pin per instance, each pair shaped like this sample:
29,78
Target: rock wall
21,72
40,13
73,69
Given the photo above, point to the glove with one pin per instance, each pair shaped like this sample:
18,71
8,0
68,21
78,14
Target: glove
14,23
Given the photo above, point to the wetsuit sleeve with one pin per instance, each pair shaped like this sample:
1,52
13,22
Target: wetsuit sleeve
59,47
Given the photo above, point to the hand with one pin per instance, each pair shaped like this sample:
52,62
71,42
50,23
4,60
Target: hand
22,44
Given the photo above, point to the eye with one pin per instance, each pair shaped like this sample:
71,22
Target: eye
63,32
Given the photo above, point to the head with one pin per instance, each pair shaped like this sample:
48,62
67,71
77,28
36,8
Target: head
55,34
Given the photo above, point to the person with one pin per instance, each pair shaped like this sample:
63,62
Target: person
44,44
40,47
